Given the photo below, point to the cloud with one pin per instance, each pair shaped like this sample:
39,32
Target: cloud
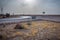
18,6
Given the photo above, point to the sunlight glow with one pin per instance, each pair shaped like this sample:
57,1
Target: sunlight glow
30,2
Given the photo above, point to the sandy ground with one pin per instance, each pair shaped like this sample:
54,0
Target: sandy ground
38,30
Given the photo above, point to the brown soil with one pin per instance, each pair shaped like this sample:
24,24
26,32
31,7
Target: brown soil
34,30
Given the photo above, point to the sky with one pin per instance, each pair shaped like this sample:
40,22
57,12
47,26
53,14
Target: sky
30,6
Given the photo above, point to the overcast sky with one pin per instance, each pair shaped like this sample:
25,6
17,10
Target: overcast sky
30,6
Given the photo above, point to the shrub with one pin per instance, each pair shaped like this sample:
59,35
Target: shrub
7,14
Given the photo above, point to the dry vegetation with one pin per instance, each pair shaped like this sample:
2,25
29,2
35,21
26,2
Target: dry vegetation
34,30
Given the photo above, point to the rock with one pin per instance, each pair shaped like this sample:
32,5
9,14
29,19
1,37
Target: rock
19,26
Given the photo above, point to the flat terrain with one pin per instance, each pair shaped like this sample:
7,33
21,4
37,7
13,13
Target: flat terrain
33,30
